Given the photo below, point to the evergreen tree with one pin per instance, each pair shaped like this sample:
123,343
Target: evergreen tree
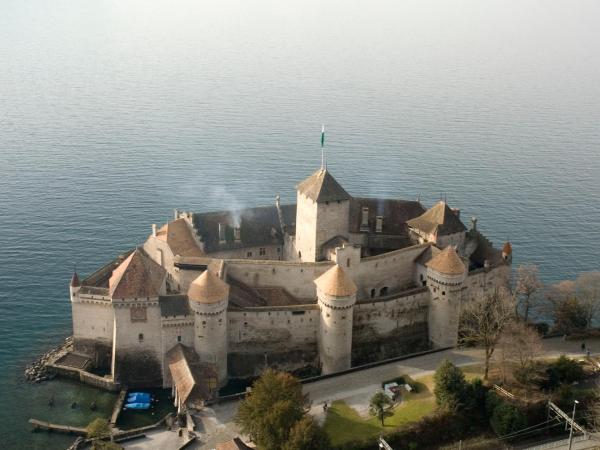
450,386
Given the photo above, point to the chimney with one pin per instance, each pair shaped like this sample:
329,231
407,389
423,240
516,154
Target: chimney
237,236
176,213
364,221
474,223
222,238
378,224
153,230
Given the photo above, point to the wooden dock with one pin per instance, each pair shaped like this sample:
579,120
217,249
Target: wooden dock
118,407
47,426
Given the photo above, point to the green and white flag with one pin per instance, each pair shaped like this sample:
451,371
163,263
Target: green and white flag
322,136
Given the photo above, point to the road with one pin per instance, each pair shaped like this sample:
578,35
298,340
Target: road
216,424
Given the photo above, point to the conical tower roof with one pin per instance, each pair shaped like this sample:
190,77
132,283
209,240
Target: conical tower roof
336,283
75,280
322,187
137,276
208,288
439,218
447,262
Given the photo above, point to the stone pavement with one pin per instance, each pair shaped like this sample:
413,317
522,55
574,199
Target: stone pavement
158,439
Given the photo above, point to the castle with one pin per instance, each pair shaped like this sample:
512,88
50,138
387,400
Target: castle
319,286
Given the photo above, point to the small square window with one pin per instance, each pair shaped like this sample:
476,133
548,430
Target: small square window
141,337
262,251
249,254
178,338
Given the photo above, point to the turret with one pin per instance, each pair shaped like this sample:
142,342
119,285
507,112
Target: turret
446,275
208,296
336,295
74,285
507,252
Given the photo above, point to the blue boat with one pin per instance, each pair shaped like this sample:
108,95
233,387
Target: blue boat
137,406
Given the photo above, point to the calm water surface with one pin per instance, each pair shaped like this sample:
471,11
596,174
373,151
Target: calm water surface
114,112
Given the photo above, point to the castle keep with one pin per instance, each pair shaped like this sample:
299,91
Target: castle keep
330,282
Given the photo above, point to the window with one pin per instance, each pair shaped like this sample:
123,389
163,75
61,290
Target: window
141,337
383,291
372,293
378,224
249,254
347,262
299,255
443,292
262,251
278,250
178,338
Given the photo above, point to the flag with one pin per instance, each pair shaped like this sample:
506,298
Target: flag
322,136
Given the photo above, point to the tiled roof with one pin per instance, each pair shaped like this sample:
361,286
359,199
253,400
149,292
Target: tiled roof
258,226
429,253
208,288
336,283
439,218
178,236
447,262
174,305
322,187
194,380
137,276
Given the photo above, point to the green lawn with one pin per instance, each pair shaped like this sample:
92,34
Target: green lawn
344,424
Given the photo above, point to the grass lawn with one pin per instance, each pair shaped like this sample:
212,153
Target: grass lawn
344,424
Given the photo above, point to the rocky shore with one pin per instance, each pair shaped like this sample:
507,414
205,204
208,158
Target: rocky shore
37,372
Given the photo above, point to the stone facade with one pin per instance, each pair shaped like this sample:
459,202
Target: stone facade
296,287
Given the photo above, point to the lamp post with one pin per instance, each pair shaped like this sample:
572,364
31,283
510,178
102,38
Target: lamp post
572,422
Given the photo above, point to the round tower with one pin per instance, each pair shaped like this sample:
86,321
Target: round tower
336,294
446,274
208,296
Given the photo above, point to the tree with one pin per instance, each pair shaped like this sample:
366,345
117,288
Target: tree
483,321
587,291
307,435
271,409
528,285
518,346
450,385
507,419
380,406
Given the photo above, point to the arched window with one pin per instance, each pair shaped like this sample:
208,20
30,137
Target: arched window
372,293
299,255
383,291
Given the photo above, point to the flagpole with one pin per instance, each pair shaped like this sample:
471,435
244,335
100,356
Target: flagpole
322,147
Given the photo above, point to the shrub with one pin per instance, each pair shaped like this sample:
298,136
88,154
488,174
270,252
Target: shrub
563,370
98,428
507,419
542,328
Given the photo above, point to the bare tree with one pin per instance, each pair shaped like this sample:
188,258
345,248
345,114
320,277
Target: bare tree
518,346
527,286
587,290
483,320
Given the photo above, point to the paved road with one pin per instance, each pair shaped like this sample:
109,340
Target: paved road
356,388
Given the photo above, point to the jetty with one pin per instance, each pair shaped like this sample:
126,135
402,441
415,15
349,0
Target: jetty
118,407
48,426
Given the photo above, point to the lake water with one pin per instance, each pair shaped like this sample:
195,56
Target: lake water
114,112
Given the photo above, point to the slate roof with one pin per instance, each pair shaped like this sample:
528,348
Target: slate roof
438,219
447,262
75,280
336,282
178,236
258,226
194,380
335,242
429,253
322,187
174,305
208,288
395,214
137,276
